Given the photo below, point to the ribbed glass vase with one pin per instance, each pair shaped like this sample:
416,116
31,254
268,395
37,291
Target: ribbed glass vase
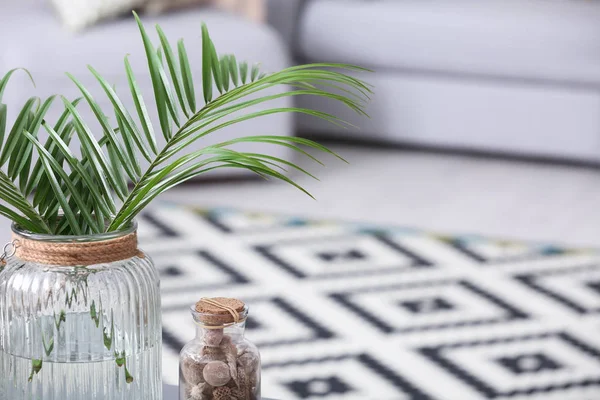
79,319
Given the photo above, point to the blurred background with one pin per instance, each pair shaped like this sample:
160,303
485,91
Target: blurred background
485,116
480,160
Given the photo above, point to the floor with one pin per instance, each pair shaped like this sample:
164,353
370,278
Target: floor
351,312
447,193
439,192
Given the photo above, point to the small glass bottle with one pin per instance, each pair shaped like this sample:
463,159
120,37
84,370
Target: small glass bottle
219,364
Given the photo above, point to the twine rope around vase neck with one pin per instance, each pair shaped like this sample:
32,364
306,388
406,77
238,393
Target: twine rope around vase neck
77,253
234,313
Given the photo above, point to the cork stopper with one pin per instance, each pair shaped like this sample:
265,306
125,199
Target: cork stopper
220,310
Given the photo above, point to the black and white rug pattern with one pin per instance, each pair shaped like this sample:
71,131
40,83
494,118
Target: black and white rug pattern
348,311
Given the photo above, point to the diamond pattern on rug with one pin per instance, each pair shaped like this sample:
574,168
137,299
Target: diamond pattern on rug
502,251
577,287
427,305
331,257
535,366
347,311
178,271
335,377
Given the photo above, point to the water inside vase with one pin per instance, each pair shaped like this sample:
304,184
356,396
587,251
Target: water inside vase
88,360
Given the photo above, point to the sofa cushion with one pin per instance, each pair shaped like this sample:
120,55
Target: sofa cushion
537,39
48,51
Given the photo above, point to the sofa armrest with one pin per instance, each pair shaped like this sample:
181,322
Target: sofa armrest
284,15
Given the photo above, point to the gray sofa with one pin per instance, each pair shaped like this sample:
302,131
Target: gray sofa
31,37
510,76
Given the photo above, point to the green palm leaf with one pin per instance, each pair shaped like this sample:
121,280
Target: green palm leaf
3,121
103,120
18,219
39,180
106,208
11,195
207,65
244,71
233,69
186,74
51,167
86,189
15,135
66,129
93,152
25,154
173,69
143,115
8,75
160,95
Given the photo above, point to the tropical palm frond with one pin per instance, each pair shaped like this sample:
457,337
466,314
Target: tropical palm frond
16,156
92,193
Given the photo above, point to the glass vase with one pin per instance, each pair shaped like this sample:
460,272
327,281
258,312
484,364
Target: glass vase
79,319
220,363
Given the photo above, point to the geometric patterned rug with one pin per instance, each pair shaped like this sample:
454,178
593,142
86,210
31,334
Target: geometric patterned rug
349,311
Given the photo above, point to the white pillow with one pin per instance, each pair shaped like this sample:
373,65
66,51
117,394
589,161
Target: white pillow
78,14
160,6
